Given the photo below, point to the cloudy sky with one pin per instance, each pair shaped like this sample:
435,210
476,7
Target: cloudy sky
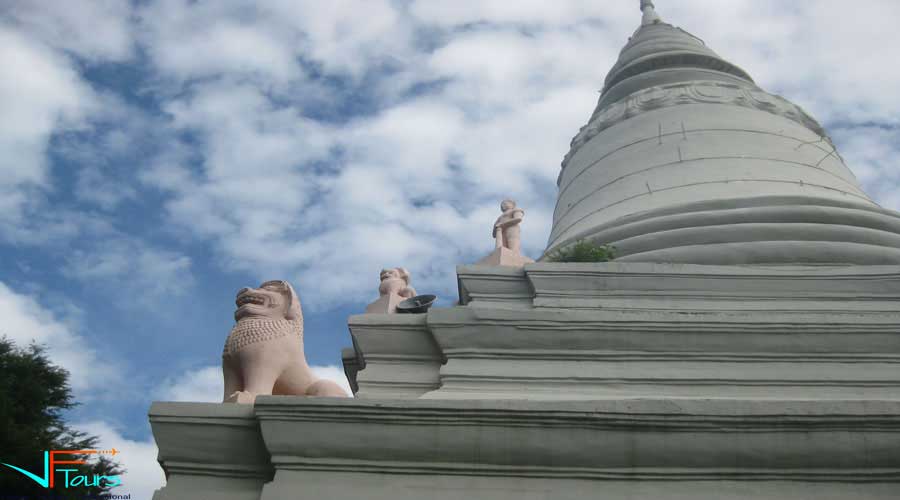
158,155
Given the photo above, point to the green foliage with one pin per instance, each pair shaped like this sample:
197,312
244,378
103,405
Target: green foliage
34,393
583,251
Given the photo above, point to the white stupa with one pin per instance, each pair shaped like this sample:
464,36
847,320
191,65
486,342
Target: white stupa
686,160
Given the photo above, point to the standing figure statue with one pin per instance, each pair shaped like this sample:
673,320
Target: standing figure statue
264,351
508,237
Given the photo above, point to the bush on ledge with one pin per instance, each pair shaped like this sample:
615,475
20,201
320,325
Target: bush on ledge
583,251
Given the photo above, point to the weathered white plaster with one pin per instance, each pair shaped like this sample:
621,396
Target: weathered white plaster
340,448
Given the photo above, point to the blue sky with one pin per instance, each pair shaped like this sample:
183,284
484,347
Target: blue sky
156,156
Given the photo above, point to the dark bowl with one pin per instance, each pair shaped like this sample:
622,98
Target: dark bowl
416,305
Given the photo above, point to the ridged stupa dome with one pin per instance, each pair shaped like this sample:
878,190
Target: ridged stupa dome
686,160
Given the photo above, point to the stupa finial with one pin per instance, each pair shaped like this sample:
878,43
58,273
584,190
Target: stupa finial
650,15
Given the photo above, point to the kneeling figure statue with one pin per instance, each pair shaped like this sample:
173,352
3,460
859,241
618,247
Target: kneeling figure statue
264,352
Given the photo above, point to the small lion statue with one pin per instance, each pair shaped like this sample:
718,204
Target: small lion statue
396,280
264,351
393,289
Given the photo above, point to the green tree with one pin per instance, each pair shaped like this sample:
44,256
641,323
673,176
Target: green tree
34,393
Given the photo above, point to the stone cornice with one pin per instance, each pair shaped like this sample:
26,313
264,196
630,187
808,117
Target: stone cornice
674,59
558,330
671,414
586,285
325,447
704,439
204,443
399,355
683,287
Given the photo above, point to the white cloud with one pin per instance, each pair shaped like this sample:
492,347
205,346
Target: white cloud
205,385
347,36
142,475
873,153
99,188
41,92
93,29
108,151
44,48
188,47
139,272
528,12
266,41
25,320
255,153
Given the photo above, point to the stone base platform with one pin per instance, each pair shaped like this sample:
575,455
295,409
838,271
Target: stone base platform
613,330
582,381
638,449
503,256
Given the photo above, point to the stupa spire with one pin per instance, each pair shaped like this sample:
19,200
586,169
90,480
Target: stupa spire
650,15
682,141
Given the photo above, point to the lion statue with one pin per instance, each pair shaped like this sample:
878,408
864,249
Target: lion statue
396,281
264,351
393,289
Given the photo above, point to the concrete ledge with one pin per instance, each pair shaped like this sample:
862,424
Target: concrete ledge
493,286
313,485
398,354
559,354
647,440
561,330
212,448
389,449
558,331
644,285
747,281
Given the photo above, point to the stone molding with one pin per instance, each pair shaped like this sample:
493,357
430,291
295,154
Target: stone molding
624,329
397,353
695,92
675,286
598,440
672,60
214,446
569,354
816,230
638,285
494,286
839,222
